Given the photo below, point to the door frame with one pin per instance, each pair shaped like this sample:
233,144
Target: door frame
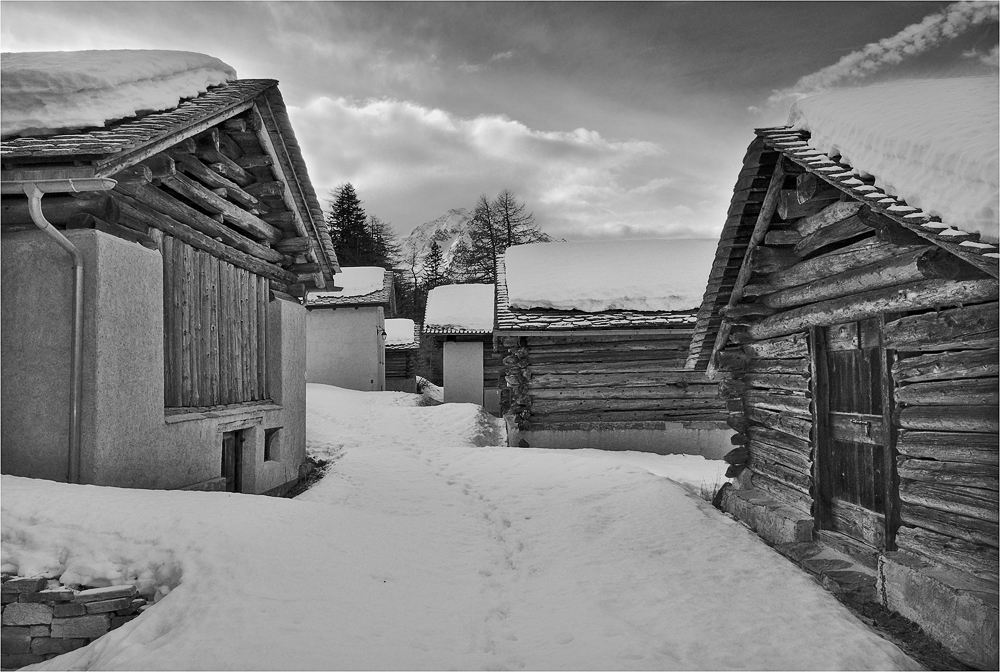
822,431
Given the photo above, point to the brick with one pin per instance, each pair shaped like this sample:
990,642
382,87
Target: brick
7,598
49,645
92,626
69,609
52,596
104,606
39,630
108,593
12,661
25,585
27,614
15,640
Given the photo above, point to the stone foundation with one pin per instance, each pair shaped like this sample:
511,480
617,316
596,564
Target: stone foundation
42,619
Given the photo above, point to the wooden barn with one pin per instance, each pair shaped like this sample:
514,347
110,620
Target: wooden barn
612,379
152,337
346,329
401,345
856,340
460,320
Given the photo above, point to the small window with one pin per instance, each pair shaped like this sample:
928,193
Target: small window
272,444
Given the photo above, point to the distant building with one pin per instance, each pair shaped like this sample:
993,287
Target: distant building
401,345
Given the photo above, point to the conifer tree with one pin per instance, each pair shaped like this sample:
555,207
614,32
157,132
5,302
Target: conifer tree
434,273
495,226
348,226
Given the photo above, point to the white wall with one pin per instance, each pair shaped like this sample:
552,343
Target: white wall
345,347
463,372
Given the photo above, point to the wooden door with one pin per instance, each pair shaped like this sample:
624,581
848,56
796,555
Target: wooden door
232,458
854,432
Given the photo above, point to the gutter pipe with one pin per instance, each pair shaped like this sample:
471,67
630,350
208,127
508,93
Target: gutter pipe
34,190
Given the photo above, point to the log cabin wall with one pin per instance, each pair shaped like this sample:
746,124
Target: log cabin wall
572,378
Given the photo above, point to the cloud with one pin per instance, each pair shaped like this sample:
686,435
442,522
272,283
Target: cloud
495,58
411,164
949,23
991,57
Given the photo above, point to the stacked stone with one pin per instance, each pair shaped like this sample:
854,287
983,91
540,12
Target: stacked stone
40,622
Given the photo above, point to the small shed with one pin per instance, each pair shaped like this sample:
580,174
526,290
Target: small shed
401,345
594,337
460,319
855,335
151,333
346,329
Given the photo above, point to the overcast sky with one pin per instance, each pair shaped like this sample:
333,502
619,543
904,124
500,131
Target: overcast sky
607,120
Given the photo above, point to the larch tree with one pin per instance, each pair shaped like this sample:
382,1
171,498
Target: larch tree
495,226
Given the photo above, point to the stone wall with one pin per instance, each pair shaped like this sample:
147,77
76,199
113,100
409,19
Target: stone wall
43,619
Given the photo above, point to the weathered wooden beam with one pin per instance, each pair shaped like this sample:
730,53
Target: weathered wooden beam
950,446
85,220
808,187
207,140
947,366
663,392
58,208
160,165
211,179
789,206
782,237
231,213
266,189
831,214
981,561
971,391
844,230
856,255
951,498
609,356
949,418
731,361
799,366
798,405
792,346
772,259
293,245
225,166
228,146
957,328
970,529
637,369
909,267
896,299
778,381
548,380
546,406
782,440
763,462
797,427
248,161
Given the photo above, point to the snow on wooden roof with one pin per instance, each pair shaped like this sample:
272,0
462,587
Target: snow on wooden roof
402,334
356,286
537,319
460,309
771,146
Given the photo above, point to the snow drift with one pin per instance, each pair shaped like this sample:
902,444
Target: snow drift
45,92
933,143
642,275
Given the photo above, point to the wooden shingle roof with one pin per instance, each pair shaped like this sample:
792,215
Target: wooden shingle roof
415,345
771,146
518,320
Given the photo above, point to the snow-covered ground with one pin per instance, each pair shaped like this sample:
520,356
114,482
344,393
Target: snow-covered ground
428,546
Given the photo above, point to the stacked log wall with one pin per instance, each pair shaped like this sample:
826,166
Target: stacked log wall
565,378
836,262
400,363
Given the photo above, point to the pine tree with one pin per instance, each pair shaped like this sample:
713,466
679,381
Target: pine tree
434,273
348,226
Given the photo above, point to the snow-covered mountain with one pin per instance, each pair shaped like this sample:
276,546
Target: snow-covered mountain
447,230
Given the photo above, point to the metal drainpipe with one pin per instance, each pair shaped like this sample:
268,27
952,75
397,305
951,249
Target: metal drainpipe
34,192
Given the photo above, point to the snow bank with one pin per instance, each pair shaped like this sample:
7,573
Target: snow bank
465,307
356,281
643,275
933,143
399,331
47,91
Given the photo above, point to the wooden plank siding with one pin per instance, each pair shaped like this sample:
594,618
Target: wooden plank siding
214,330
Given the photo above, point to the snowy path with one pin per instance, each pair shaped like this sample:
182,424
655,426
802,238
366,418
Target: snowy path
425,548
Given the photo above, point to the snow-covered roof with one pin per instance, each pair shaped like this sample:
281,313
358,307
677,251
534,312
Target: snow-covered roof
598,276
401,334
460,309
932,143
356,286
43,92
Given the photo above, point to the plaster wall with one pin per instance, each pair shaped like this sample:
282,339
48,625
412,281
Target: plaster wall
463,372
345,347
709,439
126,439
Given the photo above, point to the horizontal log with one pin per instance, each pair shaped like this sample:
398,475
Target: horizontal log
248,161
844,230
948,418
910,267
797,427
211,179
675,391
638,368
950,446
549,381
779,381
589,359
855,255
915,296
729,361
792,497
799,366
790,459
790,208
809,186
167,205
232,214
961,527
782,237
787,476
265,189
294,245
742,311
975,559
947,366
786,403
971,391
831,214
543,406
957,328
790,346
966,474
598,349
781,440
58,208
738,422
284,220
676,415
194,238
771,259
85,220
949,499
